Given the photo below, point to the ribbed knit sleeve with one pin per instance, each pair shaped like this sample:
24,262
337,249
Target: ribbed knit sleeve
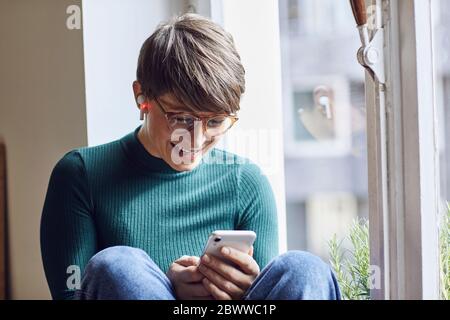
258,212
68,236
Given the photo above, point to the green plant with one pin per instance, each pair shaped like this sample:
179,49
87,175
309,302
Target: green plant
444,241
352,266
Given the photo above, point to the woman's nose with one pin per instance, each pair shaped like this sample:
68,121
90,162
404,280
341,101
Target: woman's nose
198,135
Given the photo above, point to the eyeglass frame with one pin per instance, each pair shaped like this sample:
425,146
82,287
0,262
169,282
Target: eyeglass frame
167,115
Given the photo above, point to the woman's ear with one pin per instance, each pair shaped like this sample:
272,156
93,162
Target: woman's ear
137,89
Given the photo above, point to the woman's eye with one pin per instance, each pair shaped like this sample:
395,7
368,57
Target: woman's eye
184,120
215,122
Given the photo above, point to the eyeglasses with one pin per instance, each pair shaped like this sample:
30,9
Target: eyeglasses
212,126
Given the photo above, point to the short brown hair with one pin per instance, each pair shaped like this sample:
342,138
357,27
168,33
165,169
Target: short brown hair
194,59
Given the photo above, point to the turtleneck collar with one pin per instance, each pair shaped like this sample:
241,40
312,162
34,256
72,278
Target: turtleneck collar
140,156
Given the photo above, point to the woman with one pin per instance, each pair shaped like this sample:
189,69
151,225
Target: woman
133,215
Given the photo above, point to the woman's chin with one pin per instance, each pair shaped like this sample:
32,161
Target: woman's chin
184,162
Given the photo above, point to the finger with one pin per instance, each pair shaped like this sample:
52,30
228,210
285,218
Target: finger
243,260
191,274
188,261
229,272
182,258
187,274
221,282
215,291
251,251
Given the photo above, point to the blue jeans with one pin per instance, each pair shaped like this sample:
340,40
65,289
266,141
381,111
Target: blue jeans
126,273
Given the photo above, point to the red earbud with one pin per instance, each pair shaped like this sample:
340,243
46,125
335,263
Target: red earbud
144,106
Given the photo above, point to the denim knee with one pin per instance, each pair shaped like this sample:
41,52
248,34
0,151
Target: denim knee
114,257
307,270
123,272
295,275
295,260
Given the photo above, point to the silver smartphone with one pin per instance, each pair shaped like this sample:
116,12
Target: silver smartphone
241,240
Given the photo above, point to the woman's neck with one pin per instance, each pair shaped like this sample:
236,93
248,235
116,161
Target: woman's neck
144,137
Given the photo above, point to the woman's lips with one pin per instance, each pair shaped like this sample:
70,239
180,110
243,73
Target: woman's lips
192,151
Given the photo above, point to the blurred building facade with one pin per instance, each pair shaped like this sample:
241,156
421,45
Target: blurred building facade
325,160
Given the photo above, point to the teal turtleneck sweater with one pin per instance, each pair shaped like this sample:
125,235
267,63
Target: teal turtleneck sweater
119,194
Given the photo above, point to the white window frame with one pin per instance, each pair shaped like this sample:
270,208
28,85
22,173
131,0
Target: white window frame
403,156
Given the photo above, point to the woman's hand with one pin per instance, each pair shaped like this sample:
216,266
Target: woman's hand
187,280
226,282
